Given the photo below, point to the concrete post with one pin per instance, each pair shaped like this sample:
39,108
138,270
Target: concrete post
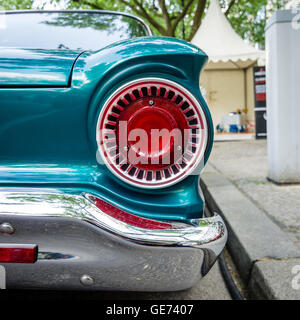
283,96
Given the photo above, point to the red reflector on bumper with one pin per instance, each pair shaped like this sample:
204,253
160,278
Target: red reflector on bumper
18,253
128,217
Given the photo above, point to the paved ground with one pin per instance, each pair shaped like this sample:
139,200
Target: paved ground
212,287
245,164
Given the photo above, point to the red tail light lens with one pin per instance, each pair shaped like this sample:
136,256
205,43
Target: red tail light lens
129,218
18,253
152,133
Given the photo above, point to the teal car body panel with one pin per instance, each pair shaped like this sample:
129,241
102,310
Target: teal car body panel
35,67
48,126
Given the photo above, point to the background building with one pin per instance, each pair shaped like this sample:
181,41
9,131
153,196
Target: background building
228,77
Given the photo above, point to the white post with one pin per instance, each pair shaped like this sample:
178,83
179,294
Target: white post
283,96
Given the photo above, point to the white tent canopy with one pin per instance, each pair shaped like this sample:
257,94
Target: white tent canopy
221,43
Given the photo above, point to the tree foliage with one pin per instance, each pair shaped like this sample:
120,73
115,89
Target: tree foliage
179,18
249,18
15,4
165,17
182,18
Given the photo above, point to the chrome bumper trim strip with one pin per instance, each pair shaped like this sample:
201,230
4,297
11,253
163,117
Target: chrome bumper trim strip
202,232
75,238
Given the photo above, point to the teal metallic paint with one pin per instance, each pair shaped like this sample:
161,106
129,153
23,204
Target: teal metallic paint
35,67
48,135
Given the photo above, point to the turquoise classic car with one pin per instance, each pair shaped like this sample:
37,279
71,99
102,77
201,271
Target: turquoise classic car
103,135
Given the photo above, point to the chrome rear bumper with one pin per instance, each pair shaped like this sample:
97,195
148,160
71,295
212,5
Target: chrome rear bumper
79,242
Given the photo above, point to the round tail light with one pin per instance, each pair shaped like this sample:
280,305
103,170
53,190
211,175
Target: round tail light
152,133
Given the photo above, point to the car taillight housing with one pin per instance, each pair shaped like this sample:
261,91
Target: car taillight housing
152,133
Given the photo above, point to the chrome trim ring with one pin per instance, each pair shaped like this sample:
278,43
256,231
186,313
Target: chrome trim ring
192,155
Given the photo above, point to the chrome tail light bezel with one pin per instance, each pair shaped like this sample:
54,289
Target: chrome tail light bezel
201,124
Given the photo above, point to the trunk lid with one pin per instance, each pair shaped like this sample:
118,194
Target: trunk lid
36,67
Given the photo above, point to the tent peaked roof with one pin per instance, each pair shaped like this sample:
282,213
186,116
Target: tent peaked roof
217,38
